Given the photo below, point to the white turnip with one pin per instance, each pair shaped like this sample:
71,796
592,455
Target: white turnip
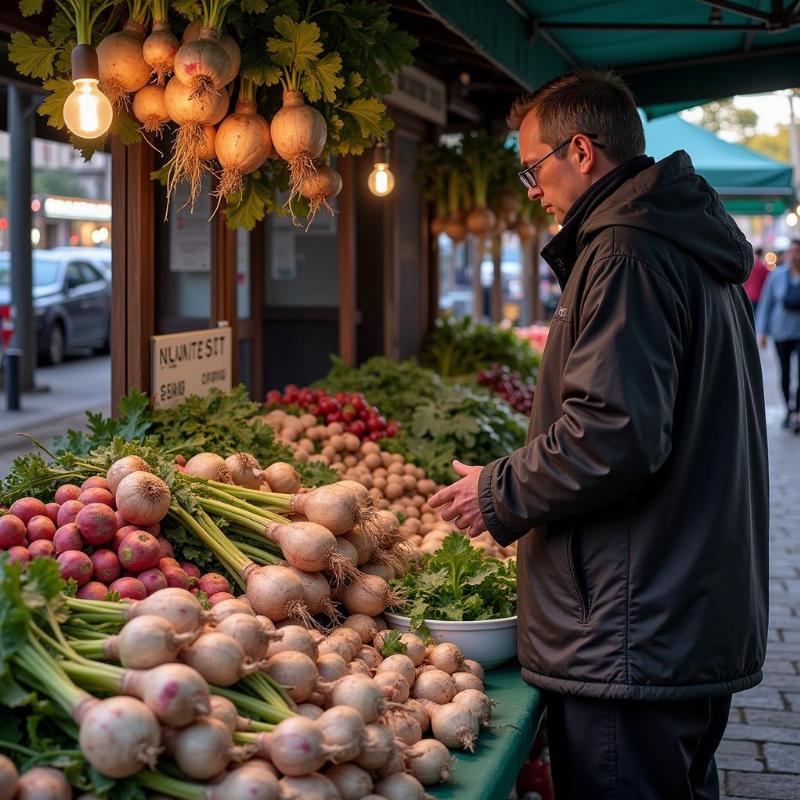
434,685
294,638
363,625
377,747
308,787
202,65
296,746
123,467
320,187
417,710
150,109
219,658
251,633
203,749
159,49
363,542
9,778
244,469
342,728
351,781
331,667
360,693
309,711
404,726
370,656
247,782
474,668
228,607
335,507
316,593
309,547
210,466
175,693
142,498
455,726
294,670
147,641
401,664
282,477
415,647
122,68
447,657
478,702
275,592
179,606
393,685
43,783
401,786
466,680
242,145
429,761
370,596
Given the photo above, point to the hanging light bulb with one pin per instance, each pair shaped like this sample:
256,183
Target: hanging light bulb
381,180
87,111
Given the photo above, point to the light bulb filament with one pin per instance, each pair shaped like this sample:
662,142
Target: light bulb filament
87,105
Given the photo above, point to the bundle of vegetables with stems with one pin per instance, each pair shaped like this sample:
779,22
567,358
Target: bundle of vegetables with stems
160,47
457,201
435,163
479,155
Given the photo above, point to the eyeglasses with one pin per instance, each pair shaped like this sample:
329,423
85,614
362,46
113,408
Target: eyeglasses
528,175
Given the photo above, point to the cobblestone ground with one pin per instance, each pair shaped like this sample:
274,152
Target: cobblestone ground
760,754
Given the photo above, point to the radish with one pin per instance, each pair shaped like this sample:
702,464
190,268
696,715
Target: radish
363,625
316,593
404,726
120,735
376,746
294,670
213,582
18,553
434,685
351,781
360,693
42,548
160,47
147,641
447,657
75,564
121,534
371,596
122,68
203,749
242,145
68,537
94,482
176,578
12,531
219,597
97,495
42,783
308,787
295,638
68,511
429,761
335,508
26,508
93,590
150,109
106,566
165,548
219,658
320,187
128,588
297,747
400,664
9,778
52,510
282,477
142,498
454,725
40,527
331,667
244,469
191,570
67,491
208,465
342,728
393,685
465,680
250,632
97,523
228,607
477,702
139,551
401,786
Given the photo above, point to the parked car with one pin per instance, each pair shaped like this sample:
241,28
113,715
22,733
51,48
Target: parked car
71,302
97,256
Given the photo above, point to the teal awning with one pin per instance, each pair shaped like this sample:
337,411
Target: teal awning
673,53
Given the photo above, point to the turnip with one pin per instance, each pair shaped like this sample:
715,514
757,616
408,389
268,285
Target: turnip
316,593
351,781
429,761
358,667
478,702
93,590
175,693
228,607
242,145
128,588
415,648
226,712
68,512
244,469
339,647
40,527
309,547
139,551
454,725
308,787
363,625
219,658
122,68
447,657
393,685
360,693
12,531
474,668
282,477
370,596
275,592
203,749
26,508
318,188
401,786
160,47
297,747
370,656
294,670
76,565
434,685
147,641
106,566
346,551
404,726
384,571
400,664
348,635
417,710
9,778
358,489
309,711
42,783
331,667
246,782
67,491
120,735
97,495
466,680
97,523
376,747
342,728
208,465
52,510
142,498
250,632
202,64
150,109
335,508
42,548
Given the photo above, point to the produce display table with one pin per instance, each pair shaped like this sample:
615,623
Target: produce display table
490,772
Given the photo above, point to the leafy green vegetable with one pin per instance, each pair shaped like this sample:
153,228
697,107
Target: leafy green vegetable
33,57
392,645
459,582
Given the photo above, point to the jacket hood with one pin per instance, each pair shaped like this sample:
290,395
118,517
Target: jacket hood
671,200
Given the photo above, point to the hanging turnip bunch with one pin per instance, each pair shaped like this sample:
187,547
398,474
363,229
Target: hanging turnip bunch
123,69
479,152
299,131
161,45
325,184
150,109
454,226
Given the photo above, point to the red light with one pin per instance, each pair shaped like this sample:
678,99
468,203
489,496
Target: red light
36,204
74,239
3,224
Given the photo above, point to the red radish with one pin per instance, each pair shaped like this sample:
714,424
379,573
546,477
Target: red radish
94,590
106,566
159,48
153,580
165,548
42,548
9,778
120,735
18,553
191,570
75,564
244,468
26,508
296,746
202,64
120,535
52,510
325,184
351,781
122,68
97,495
43,783
143,498
154,529
97,523
454,725
121,521
213,582
220,597
95,482
377,746
294,670
68,537
209,465
68,491
165,562
123,467
128,588
203,749
219,658
139,551
12,531
282,477
68,512
176,578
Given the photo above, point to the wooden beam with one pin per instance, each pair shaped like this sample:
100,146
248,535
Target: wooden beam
257,261
347,261
223,283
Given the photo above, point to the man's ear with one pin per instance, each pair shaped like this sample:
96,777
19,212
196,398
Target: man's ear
585,152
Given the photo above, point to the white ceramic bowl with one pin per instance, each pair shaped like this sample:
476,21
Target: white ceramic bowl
490,642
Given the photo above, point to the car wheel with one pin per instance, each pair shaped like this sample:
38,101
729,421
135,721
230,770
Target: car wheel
56,345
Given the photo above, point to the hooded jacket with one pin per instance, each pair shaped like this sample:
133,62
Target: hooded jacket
641,494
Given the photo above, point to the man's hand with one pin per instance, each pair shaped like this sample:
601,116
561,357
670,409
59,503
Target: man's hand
459,501
762,341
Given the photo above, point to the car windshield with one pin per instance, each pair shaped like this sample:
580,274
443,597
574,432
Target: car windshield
44,272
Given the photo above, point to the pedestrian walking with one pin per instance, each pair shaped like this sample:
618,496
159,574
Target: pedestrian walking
778,317
754,284
640,500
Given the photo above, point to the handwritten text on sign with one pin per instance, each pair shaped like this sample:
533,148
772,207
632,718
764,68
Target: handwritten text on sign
190,363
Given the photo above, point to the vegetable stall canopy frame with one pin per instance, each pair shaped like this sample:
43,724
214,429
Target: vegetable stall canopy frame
673,53
748,182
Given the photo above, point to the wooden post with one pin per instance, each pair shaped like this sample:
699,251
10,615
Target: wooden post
497,279
532,260
347,261
477,287
223,284
133,268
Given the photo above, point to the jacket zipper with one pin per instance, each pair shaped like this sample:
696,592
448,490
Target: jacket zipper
576,585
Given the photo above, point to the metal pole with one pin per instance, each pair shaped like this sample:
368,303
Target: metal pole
477,286
497,280
794,143
12,379
20,128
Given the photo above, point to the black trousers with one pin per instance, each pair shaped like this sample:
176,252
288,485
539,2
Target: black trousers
785,350
634,750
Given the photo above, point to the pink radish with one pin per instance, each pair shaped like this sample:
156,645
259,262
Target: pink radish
128,588
18,553
165,548
219,597
67,491
153,580
52,510
42,548
120,535
75,564
94,590
106,566
213,582
139,551
68,512
43,783
97,495
97,523
191,570
68,537
95,482
12,531
26,508
176,577
9,778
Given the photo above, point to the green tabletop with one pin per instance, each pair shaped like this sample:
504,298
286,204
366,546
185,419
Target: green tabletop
490,772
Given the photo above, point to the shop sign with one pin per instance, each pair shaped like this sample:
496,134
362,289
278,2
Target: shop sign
70,208
421,94
190,363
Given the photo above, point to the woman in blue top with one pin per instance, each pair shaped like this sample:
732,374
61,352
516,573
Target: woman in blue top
779,317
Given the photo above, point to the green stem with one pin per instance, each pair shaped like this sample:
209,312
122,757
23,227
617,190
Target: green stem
94,650
97,609
18,748
252,707
277,499
100,677
258,556
158,782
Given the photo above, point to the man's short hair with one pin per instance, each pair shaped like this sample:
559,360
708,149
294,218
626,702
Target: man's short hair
585,101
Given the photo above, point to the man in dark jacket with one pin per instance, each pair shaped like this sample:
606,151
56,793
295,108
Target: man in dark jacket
640,500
